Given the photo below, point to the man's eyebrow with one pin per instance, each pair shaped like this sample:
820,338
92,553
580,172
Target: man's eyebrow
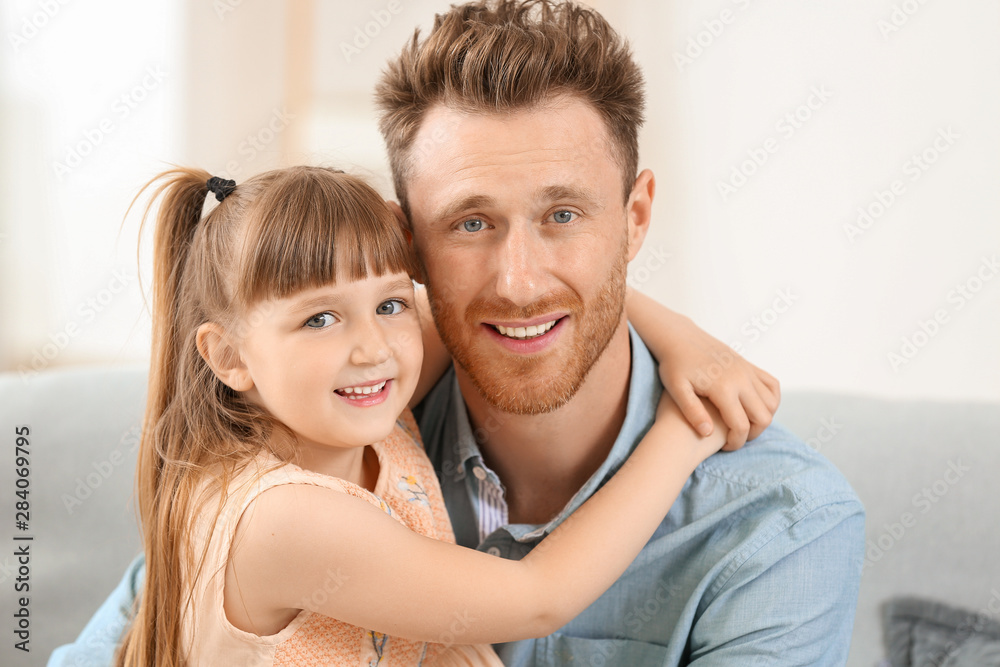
568,193
465,204
547,194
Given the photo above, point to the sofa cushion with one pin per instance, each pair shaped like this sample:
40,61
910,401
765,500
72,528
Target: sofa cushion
926,474
84,434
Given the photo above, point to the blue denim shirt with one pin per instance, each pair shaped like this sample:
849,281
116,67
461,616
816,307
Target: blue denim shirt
757,563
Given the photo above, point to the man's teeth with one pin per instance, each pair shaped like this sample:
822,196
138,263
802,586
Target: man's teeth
358,392
521,333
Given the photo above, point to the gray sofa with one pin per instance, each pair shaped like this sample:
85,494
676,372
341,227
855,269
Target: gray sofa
925,471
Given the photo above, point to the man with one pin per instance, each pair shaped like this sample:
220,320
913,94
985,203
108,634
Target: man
512,136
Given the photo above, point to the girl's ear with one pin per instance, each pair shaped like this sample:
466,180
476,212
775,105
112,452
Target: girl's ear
221,354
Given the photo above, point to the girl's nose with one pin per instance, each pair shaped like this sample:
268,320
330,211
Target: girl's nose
370,346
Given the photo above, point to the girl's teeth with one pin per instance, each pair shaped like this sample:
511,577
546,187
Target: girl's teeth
522,333
353,392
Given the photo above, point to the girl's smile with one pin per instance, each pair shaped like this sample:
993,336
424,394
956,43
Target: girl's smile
336,364
365,395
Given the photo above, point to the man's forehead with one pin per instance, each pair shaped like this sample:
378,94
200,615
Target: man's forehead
468,131
561,141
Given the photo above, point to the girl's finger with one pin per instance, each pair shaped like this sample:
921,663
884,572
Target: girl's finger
692,408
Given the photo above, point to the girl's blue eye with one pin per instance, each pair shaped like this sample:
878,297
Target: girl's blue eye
320,321
390,307
472,225
563,216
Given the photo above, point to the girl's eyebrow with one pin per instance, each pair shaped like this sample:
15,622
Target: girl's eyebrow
399,284
328,299
312,303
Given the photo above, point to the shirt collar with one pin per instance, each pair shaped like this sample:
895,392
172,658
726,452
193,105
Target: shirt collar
467,449
643,396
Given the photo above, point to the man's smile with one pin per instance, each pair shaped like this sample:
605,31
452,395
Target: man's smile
527,329
526,339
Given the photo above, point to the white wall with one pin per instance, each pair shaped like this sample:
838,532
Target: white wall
239,97
904,95
97,98
89,93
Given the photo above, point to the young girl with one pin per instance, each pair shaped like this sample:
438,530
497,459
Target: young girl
289,513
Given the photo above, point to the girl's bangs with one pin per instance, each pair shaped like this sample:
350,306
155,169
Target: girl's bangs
311,227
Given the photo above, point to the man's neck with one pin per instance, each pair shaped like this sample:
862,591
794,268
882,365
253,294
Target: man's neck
543,460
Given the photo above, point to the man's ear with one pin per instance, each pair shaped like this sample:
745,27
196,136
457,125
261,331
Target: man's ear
404,222
397,210
221,354
639,210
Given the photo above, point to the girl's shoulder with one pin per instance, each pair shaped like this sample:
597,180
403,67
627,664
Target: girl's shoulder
407,487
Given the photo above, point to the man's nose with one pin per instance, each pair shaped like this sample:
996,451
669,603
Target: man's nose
519,265
370,346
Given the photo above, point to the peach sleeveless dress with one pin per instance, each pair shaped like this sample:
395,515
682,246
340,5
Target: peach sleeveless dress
407,489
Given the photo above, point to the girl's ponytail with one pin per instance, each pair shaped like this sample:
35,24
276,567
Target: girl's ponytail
154,636
182,195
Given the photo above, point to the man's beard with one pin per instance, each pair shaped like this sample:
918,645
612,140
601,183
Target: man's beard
548,380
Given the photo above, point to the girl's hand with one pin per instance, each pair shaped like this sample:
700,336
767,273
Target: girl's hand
669,415
694,364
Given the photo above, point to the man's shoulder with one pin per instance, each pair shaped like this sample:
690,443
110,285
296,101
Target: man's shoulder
775,473
751,509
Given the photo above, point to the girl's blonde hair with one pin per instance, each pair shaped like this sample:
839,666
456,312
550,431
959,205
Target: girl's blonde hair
273,235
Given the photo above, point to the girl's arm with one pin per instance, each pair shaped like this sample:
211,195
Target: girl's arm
694,364
295,540
436,357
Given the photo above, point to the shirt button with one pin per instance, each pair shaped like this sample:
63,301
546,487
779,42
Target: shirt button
493,551
479,473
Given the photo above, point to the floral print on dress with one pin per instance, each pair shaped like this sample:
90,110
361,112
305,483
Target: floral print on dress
384,506
379,641
417,493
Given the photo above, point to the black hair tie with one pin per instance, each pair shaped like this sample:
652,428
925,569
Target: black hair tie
221,187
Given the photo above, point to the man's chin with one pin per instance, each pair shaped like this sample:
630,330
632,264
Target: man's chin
517,390
522,403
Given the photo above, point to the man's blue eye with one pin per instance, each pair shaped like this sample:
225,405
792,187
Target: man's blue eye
320,321
563,216
390,307
472,225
